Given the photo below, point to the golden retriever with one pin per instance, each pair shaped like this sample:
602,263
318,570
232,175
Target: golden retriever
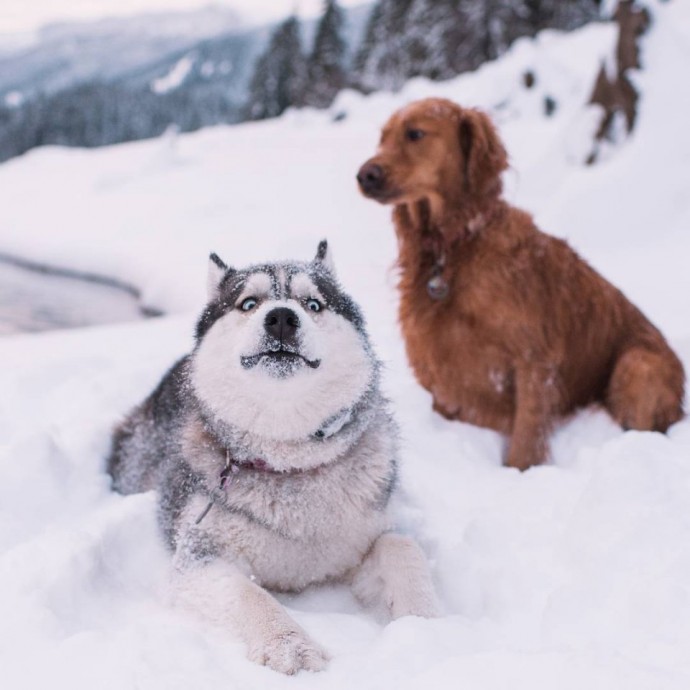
507,327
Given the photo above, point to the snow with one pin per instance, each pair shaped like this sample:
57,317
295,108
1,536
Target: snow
14,99
175,77
572,575
207,69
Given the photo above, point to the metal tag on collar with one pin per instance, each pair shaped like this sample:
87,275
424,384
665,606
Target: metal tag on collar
437,287
334,425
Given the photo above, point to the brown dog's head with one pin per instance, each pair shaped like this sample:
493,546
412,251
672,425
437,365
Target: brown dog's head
437,150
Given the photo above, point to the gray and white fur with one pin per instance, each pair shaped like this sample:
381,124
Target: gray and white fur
281,396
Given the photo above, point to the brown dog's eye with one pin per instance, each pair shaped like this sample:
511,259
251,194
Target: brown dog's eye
414,134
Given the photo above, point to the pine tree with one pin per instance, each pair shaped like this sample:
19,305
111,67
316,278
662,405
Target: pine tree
572,15
433,38
494,23
325,66
536,15
382,61
280,75
441,38
373,34
429,23
447,37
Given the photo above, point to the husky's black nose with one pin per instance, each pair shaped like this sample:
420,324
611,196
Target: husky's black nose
282,323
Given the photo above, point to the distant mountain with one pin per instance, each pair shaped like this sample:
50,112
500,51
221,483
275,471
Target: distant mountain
225,62
120,80
215,43
62,55
221,64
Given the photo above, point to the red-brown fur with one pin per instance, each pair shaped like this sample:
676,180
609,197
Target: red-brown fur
528,330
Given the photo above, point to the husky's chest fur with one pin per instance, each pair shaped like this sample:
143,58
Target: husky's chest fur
291,529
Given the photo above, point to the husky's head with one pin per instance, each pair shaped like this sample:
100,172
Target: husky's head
281,351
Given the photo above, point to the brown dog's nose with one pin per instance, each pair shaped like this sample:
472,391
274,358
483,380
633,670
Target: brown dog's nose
371,178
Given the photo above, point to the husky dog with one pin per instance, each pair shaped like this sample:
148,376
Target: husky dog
274,455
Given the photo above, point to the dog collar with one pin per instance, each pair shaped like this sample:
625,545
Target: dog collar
435,243
219,494
437,285
232,466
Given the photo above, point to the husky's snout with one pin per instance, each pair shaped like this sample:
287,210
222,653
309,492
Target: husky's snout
281,347
282,325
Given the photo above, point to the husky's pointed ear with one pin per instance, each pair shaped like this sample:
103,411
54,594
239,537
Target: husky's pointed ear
216,272
324,256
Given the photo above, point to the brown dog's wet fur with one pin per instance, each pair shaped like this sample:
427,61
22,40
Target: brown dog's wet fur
527,331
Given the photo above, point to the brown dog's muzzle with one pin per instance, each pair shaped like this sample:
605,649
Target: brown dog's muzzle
372,179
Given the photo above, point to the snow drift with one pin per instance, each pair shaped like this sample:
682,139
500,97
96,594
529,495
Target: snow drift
571,575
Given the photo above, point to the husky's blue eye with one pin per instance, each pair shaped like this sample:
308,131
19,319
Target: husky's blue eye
248,304
314,305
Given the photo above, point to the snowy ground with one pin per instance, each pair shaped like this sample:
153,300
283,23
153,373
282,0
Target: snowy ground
573,575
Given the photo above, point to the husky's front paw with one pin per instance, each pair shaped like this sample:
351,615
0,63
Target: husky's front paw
421,603
396,575
289,651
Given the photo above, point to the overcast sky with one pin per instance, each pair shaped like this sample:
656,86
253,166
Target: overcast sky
25,15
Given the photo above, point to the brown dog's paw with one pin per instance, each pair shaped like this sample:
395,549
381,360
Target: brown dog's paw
521,464
522,458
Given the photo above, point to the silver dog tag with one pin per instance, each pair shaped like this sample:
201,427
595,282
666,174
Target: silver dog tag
437,287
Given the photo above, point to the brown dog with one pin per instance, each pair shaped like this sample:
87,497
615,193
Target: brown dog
507,327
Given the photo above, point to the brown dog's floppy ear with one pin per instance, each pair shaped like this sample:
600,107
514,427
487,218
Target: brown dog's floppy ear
483,156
